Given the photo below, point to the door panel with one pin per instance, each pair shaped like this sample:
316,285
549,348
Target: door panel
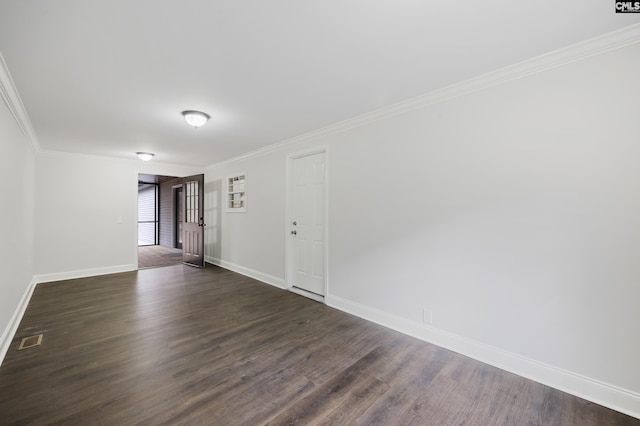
308,222
193,220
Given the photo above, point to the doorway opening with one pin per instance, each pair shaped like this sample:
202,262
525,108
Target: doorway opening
159,230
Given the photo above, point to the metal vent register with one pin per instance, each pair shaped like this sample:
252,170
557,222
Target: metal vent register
31,341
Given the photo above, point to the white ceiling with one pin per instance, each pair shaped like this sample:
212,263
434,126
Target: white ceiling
110,77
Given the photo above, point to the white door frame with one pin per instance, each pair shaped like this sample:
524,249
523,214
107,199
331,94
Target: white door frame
289,246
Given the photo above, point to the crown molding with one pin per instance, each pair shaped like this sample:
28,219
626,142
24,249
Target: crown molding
614,40
48,153
12,99
45,153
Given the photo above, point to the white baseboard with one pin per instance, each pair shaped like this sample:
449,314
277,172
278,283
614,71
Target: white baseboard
252,273
611,396
83,273
11,329
616,398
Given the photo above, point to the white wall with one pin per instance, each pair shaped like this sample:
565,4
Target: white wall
251,242
79,201
16,215
512,213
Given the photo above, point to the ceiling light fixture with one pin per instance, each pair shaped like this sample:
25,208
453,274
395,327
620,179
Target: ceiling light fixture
195,118
145,156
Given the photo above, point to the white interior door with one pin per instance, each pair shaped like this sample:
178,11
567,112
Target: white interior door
307,224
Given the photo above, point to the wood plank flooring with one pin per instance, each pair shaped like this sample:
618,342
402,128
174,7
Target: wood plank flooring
156,256
186,346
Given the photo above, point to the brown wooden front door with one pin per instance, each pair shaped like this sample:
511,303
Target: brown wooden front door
193,225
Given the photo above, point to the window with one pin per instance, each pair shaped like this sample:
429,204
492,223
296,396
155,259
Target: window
147,214
237,193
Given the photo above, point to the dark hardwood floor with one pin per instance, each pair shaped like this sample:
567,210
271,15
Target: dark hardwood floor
180,345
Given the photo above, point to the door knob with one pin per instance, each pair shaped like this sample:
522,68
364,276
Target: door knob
294,232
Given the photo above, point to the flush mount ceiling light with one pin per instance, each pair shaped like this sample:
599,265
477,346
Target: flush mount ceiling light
145,156
195,118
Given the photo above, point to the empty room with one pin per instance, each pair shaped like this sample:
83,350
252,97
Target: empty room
362,212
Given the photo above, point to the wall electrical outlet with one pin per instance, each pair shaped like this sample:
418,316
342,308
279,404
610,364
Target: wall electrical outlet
427,316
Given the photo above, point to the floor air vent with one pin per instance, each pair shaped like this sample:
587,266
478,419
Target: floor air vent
31,341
